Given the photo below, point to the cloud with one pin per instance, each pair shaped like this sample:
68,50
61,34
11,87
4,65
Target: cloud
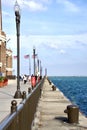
34,6
62,51
68,5
59,42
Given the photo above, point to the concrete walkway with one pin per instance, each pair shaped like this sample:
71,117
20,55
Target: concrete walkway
50,112
7,95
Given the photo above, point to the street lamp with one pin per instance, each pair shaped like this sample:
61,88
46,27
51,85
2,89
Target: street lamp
34,59
17,18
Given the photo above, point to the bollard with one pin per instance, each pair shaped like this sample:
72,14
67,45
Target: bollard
53,88
40,92
13,106
24,95
29,90
73,113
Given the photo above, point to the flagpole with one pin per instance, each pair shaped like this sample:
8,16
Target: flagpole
28,57
38,65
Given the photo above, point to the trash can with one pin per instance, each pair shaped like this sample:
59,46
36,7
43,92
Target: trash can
73,113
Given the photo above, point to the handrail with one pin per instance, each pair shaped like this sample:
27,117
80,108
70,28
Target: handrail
10,118
22,118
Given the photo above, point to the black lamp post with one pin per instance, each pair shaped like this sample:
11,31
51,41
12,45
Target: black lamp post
40,69
34,59
17,18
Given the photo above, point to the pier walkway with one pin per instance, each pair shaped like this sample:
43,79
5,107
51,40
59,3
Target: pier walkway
50,112
50,108
7,95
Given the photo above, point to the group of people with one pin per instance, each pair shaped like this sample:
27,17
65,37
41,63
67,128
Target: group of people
26,78
33,80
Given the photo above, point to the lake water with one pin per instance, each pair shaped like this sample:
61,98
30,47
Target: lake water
74,88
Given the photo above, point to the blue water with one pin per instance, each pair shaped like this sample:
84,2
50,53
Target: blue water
74,88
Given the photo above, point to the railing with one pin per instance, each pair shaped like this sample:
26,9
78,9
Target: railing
21,117
11,77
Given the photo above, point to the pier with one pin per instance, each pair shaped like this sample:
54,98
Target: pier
42,109
50,26
50,111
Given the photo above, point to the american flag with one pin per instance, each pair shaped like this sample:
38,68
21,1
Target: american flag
15,57
34,56
26,56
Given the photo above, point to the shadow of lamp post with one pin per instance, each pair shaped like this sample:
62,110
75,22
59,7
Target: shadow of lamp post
17,18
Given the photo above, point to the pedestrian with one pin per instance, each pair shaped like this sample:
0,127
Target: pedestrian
29,79
25,79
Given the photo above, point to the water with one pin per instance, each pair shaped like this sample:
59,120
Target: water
75,89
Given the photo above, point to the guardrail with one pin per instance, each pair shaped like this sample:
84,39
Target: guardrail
21,116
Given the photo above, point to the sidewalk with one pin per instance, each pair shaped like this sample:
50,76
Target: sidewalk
50,112
7,95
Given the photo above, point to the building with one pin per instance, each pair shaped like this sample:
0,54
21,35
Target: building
9,62
5,54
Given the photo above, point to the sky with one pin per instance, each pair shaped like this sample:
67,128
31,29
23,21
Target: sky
56,28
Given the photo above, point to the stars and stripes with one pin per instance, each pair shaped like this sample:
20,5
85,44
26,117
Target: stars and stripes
15,57
34,56
26,56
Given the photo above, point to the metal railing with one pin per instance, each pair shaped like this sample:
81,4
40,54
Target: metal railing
21,117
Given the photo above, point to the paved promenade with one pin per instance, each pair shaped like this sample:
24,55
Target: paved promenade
7,95
50,112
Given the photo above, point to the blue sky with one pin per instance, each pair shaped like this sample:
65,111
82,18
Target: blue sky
57,29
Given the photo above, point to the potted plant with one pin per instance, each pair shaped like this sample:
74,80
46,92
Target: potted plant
1,81
5,81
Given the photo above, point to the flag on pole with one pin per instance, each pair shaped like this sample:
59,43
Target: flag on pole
26,56
34,56
15,57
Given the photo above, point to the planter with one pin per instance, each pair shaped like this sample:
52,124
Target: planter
3,81
1,84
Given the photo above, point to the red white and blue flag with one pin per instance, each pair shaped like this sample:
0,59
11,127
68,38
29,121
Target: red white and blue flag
26,56
34,56
15,57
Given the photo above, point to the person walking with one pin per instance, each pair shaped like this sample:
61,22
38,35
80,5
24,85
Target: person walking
25,79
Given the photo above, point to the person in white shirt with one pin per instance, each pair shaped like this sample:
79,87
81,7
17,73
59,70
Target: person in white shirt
25,79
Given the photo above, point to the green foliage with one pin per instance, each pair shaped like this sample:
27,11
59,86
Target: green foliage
2,79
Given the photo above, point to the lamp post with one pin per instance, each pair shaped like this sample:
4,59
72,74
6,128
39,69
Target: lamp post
34,59
40,69
38,66
17,18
